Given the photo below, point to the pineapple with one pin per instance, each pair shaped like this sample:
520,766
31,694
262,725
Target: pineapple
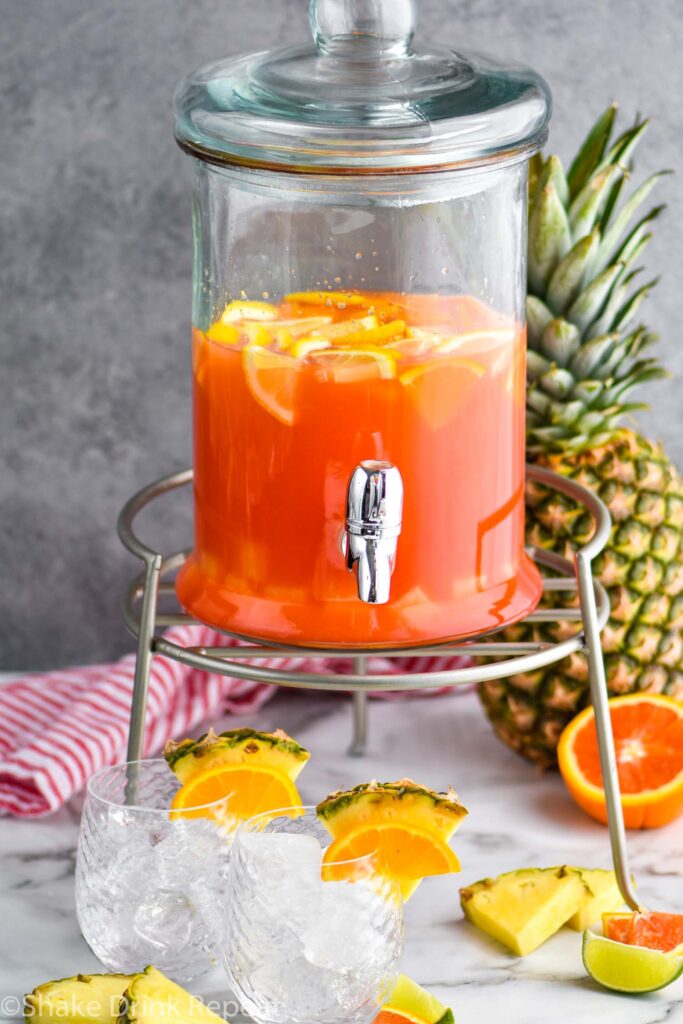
402,801
586,354
79,1000
152,998
606,897
522,909
238,746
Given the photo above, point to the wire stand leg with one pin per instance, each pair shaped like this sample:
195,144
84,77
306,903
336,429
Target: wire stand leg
603,724
360,715
143,662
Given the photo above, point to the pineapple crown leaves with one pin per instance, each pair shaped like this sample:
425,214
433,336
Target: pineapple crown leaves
585,240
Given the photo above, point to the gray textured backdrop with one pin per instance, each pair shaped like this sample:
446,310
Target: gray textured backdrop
95,256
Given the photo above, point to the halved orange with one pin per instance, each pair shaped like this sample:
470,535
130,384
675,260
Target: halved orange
404,852
648,737
248,789
651,929
271,378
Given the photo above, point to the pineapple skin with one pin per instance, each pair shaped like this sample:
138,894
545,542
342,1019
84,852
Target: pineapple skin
642,570
237,746
405,800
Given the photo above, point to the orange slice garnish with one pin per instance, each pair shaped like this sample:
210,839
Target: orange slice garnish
403,852
246,789
271,378
648,739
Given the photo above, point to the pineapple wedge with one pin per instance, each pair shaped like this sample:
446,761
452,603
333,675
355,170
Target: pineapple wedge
152,998
83,998
605,898
524,908
404,801
238,746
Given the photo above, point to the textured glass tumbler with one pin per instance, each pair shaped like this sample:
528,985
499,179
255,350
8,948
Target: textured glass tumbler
307,943
150,888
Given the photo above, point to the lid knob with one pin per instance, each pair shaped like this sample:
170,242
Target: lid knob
363,29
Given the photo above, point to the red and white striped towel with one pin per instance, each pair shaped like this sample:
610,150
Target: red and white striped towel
57,728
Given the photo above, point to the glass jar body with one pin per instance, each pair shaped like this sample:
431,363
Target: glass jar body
337,320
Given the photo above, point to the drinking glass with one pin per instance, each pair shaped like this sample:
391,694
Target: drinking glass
305,942
150,886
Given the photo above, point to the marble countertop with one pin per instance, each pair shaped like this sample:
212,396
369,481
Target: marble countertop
518,818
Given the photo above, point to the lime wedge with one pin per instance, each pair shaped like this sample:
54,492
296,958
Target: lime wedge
626,968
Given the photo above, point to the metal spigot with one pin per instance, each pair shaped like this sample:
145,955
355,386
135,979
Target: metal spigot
374,504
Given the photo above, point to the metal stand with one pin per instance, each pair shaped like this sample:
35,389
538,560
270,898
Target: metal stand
144,620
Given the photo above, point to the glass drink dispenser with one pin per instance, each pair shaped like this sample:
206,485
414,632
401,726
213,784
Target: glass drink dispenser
359,336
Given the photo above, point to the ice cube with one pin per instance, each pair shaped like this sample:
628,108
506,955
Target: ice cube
295,986
342,935
165,919
132,868
272,854
190,849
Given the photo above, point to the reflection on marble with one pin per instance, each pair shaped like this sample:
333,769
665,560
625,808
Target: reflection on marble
518,817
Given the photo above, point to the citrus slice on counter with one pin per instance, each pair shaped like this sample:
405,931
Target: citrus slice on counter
651,929
412,1003
349,365
628,968
247,789
271,378
438,386
648,739
404,852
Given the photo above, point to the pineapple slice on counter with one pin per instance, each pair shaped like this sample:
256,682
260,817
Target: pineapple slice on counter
152,998
237,746
146,998
403,801
523,908
606,897
78,1000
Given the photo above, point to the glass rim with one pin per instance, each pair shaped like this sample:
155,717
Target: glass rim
138,808
305,808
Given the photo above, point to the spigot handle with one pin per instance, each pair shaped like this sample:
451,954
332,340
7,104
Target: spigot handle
374,509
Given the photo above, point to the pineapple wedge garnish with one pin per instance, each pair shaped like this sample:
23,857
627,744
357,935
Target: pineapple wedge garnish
402,801
237,746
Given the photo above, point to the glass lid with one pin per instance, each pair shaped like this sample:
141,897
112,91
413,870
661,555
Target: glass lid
363,97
